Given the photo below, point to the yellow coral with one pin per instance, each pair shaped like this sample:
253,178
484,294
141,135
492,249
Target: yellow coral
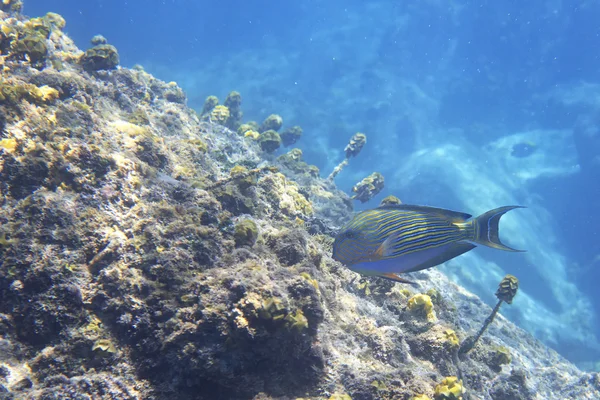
220,114
340,396
421,304
47,93
9,145
104,345
252,134
129,129
296,321
420,397
451,388
451,337
290,201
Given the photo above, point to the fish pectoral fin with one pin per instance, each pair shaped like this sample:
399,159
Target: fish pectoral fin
394,277
385,249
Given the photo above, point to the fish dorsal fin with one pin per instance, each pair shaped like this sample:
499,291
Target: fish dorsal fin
452,215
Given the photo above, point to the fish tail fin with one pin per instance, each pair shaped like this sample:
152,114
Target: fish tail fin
485,228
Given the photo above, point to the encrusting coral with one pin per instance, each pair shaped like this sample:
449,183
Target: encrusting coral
148,252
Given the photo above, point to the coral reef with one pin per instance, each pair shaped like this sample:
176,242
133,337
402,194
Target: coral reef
147,252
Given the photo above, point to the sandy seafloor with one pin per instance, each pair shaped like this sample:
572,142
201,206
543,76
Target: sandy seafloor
151,251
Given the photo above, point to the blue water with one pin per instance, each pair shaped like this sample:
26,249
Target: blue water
444,92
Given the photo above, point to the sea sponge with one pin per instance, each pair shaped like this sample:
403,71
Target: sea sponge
291,135
451,388
234,103
209,104
368,188
219,114
98,39
355,145
272,122
391,200
420,304
507,289
55,20
100,57
246,233
269,141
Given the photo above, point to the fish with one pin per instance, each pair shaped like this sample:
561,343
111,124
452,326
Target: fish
394,239
523,149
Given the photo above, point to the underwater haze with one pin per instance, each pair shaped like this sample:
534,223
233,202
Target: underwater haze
466,105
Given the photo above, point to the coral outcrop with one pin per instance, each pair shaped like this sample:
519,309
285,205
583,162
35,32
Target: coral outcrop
147,252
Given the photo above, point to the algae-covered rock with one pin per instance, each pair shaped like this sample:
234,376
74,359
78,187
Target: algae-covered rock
269,141
291,135
246,233
272,123
100,57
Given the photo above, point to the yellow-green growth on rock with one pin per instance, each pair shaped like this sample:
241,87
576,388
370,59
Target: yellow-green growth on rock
420,304
105,346
500,356
420,397
451,388
246,233
451,337
220,115
340,396
296,321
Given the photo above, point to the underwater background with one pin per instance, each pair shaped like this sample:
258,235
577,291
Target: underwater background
466,105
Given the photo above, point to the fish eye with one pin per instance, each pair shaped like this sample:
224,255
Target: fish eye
349,234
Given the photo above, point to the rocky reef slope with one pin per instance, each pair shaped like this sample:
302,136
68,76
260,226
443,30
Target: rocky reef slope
146,253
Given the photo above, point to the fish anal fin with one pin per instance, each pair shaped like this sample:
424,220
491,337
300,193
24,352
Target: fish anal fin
448,252
394,277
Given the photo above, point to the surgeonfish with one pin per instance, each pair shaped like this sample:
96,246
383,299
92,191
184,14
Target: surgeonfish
394,239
